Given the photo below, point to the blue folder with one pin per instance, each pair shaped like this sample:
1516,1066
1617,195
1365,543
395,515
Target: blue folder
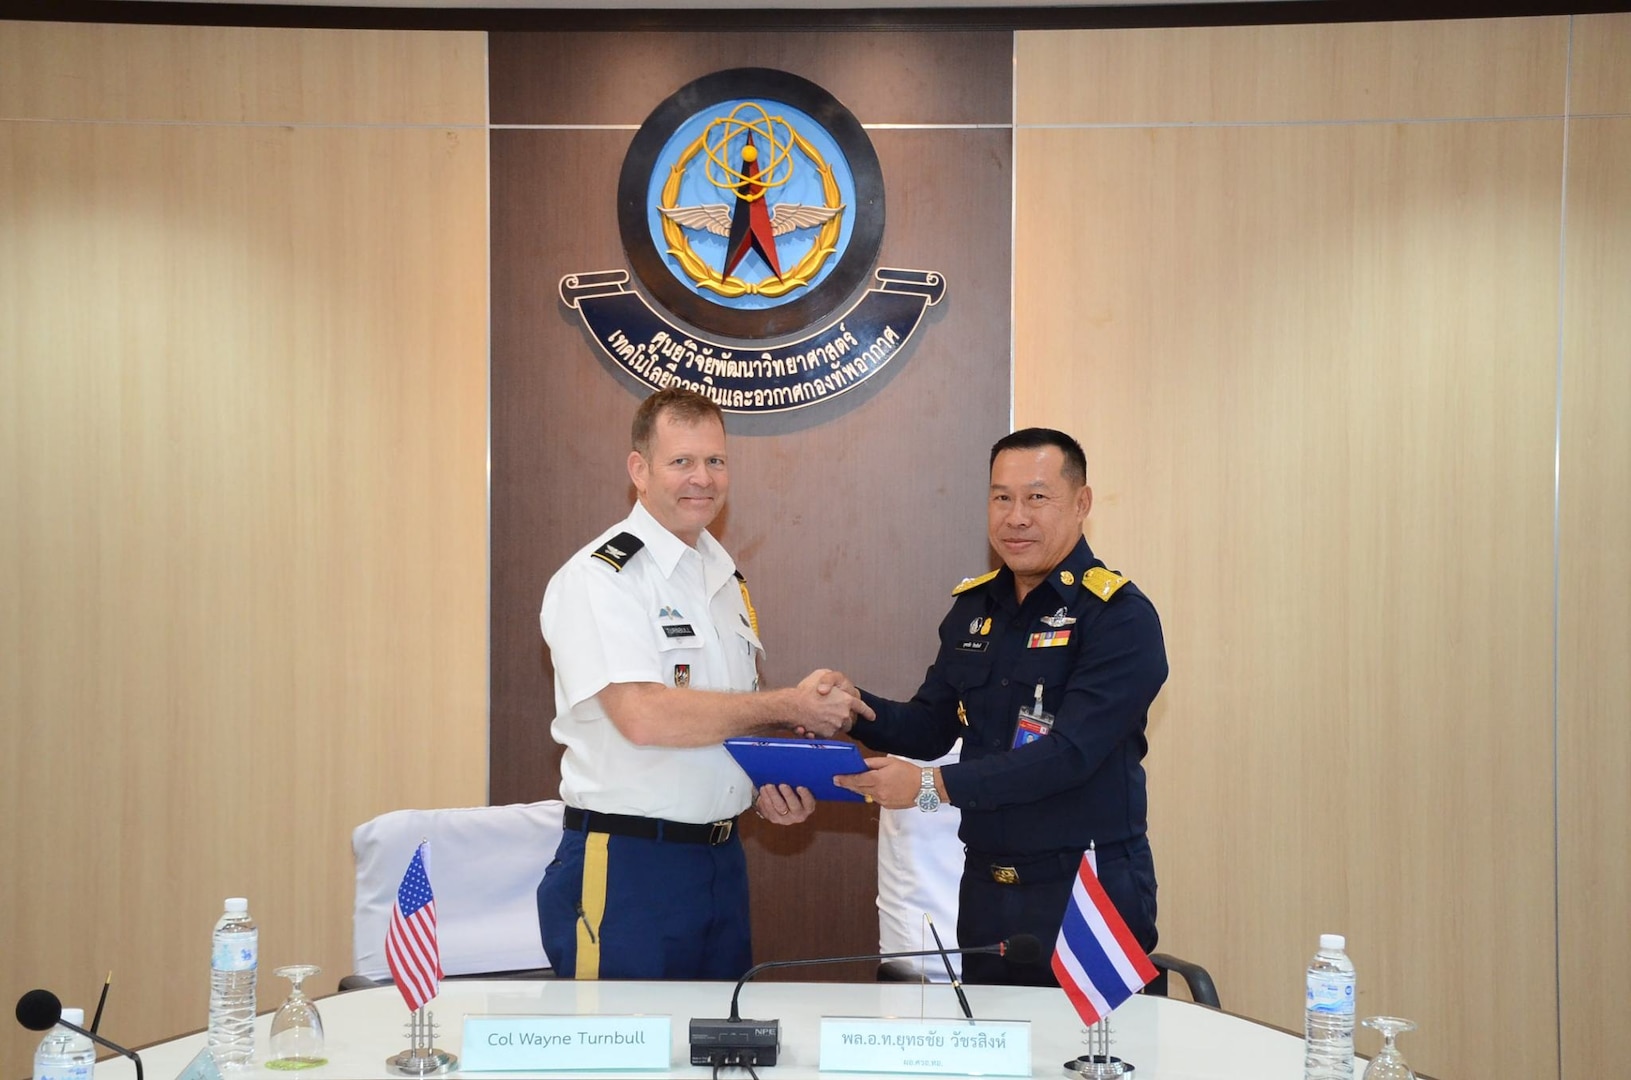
810,763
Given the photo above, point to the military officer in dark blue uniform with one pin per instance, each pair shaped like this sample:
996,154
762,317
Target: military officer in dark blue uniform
1046,669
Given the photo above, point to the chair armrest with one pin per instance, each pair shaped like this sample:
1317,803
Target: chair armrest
1199,981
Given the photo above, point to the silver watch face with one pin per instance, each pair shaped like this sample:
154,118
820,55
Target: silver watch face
928,800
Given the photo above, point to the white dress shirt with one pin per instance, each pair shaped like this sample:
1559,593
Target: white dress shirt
674,615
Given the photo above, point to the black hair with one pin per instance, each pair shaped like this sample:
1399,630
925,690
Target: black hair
1035,438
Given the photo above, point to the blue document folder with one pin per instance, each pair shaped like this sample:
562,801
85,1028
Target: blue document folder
810,763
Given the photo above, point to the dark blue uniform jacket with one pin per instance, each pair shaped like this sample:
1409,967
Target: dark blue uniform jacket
1084,781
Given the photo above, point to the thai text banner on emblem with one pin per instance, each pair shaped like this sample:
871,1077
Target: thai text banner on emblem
747,379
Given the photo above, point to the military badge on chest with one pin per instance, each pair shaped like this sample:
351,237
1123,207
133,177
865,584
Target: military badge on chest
1058,619
682,675
978,640
673,624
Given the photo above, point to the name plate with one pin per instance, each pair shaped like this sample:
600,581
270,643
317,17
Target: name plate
201,1067
930,1047
575,1043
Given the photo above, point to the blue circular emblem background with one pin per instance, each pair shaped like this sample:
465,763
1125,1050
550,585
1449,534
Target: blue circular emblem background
835,134
803,187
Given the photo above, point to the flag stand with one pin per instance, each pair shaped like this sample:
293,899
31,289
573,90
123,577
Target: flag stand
1098,1063
422,1058
1094,938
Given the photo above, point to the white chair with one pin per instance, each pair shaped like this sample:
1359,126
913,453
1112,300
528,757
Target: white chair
484,864
920,865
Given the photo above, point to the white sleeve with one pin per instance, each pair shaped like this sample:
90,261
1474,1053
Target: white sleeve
598,630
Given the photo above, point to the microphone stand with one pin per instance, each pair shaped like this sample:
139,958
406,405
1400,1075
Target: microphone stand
945,957
100,1041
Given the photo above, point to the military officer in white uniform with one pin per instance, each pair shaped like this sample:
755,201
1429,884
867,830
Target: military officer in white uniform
656,652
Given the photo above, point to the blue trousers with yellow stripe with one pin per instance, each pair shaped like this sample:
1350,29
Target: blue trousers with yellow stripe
624,907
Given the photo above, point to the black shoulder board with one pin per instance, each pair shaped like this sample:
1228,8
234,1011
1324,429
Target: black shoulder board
617,551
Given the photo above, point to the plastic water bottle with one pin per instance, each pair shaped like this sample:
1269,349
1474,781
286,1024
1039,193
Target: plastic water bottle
64,1054
1328,1024
234,953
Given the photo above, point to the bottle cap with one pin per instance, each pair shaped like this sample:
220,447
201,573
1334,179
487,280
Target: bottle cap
237,905
74,1016
1330,942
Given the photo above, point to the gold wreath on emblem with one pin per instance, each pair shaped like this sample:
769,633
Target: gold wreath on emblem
715,144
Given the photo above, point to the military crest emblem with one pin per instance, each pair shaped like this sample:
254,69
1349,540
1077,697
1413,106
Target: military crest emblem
751,210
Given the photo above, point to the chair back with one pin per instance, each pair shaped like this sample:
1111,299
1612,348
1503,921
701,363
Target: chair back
484,864
920,867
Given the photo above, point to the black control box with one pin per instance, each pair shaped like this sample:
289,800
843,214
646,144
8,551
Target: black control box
735,1042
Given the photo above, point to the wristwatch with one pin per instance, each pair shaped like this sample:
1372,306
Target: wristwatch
928,799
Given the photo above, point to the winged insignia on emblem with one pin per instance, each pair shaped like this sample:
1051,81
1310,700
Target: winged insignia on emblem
716,217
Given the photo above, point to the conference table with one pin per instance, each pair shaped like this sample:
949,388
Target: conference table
1164,1039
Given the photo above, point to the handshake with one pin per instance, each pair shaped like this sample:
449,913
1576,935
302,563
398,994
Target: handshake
828,704
824,703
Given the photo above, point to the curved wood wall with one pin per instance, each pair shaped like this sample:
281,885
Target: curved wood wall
242,489
1315,353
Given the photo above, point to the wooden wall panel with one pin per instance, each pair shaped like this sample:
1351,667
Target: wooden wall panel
1594,643
1314,369
230,74
242,471
1600,66
851,520
1264,74
896,78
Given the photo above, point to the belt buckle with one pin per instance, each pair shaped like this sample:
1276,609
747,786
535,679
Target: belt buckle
1005,875
720,832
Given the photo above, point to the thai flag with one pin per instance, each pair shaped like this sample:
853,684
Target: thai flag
411,949
1096,960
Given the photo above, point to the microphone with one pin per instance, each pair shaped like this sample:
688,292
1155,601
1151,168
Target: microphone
756,1042
41,1010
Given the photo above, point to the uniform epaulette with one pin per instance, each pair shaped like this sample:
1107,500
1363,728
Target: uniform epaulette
617,551
1102,583
970,582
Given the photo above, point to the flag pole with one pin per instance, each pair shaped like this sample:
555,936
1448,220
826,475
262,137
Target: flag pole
422,1057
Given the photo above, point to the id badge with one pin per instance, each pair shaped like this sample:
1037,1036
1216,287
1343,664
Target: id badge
1034,722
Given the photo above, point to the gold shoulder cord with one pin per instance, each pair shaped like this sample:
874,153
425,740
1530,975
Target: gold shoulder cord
753,616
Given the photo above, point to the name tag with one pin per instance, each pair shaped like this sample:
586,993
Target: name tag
926,1047
556,1043
675,630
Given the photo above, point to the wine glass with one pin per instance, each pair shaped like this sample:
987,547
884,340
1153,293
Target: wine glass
1388,1064
297,1030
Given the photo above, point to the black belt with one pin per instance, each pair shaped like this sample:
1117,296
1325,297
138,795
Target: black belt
712,833
1039,869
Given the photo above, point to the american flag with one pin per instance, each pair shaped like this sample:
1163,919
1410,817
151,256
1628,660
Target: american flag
1096,960
411,951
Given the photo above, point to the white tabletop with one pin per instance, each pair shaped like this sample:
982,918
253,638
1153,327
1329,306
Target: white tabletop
1164,1039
